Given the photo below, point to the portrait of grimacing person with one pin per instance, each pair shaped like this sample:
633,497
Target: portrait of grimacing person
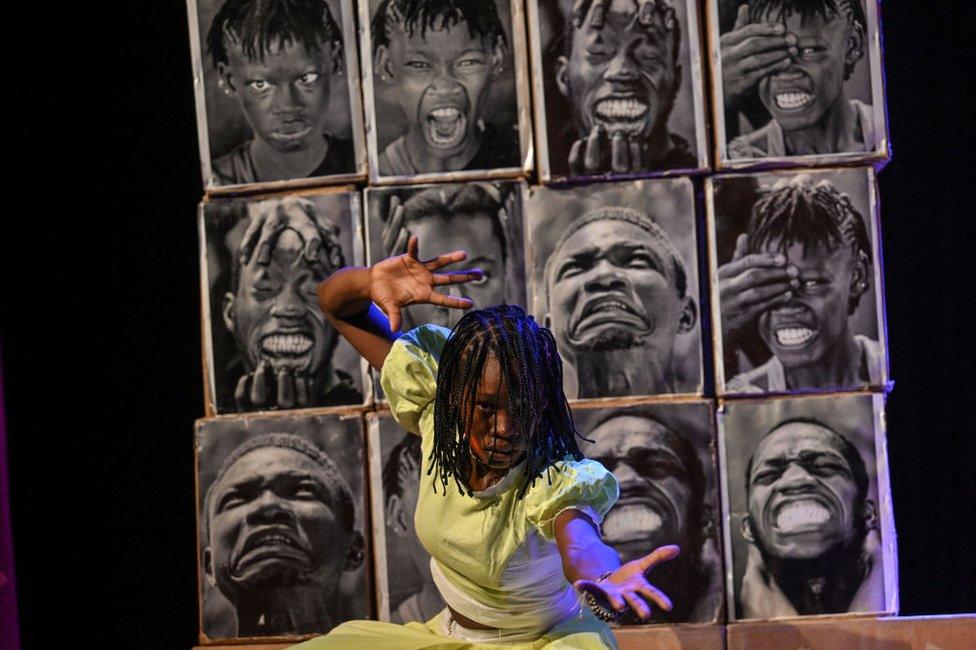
665,498
438,62
401,489
798,275
279,528
617,299
618,73
479,217
283,346
281,61
811,529
796,56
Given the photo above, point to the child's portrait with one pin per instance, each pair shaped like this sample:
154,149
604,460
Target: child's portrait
441,93
276,105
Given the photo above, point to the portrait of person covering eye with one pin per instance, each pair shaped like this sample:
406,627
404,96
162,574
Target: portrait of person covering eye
281,534
272,347
803,267
668,495
806,527
621,87
615,288
800,61
437,68
281,65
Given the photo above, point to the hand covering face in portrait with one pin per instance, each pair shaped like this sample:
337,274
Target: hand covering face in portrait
279,528
662,501
620,74
277,58
811,528
824,237
284,342
469,216
617,297
811,112
442,57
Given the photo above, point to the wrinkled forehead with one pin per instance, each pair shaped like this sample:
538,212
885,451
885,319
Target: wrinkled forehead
624,434
603,235
797,439
265,464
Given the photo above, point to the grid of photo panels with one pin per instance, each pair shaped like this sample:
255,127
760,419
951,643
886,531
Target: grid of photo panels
707,256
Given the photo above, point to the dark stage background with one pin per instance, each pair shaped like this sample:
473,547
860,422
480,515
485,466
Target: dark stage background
101,338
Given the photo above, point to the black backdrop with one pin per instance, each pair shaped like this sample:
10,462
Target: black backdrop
100,315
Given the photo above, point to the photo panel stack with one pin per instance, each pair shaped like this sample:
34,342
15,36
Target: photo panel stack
708,262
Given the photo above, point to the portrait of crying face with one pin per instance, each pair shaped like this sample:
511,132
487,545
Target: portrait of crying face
268,258
282,518
618,286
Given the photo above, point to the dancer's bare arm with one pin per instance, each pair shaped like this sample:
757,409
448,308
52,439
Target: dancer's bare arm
364,303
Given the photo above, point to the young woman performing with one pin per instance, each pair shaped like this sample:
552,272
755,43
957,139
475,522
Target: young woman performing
508,507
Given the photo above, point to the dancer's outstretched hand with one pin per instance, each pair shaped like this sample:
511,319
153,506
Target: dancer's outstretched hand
404,280
628,585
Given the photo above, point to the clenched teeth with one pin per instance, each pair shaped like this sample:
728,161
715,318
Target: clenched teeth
790,101
801,514
788,336
620,109
291,344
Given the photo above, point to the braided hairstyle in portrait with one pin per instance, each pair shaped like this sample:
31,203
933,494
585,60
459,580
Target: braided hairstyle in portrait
825,10
815,214
260,25
480,16
531,369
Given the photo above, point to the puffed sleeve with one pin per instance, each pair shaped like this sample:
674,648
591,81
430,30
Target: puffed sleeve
409,375
583,485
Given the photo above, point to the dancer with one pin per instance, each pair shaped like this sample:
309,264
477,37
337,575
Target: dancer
508,507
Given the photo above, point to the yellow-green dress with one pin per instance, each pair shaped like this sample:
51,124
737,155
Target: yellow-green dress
494,558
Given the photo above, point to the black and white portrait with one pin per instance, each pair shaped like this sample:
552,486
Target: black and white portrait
484,219
797,282
277,87
613,272
809,528
663,456
618,87
281,518
441,92
797,82
404,585
268,344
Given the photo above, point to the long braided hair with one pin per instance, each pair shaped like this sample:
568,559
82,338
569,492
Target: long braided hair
531,369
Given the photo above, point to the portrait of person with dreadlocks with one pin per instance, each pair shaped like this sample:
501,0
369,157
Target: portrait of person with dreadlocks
443,87
621,87
804,281
277,104
508,508
810,528
808,62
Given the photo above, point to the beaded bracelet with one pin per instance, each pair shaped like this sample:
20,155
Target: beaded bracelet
601,612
